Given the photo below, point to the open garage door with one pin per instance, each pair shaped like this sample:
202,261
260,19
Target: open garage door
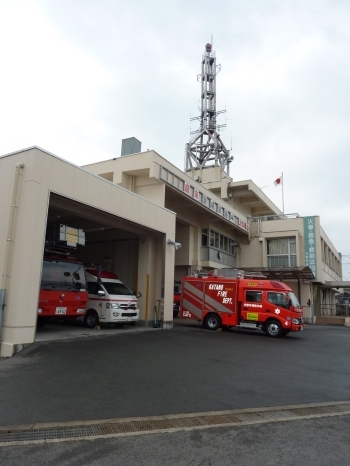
89,272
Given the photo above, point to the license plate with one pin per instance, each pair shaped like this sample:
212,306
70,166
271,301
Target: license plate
61,310
128,318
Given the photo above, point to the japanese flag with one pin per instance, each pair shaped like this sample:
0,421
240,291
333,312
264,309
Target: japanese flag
278,181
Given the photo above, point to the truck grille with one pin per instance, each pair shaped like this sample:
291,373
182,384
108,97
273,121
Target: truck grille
126,306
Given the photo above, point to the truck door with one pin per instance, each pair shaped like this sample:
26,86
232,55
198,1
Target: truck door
252,310
277,304
98,302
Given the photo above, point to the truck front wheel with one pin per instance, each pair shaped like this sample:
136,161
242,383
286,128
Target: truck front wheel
91,319
212,322
273,328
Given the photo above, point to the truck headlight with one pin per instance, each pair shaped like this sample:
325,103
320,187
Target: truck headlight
112,306
296,321
40,311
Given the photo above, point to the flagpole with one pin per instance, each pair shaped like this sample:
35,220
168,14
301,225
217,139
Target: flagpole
282,196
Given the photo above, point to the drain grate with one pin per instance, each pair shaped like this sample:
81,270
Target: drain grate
134,426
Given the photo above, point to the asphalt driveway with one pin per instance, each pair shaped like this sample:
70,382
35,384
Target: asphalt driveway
188,369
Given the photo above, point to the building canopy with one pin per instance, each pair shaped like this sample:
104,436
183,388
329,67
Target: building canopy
282,273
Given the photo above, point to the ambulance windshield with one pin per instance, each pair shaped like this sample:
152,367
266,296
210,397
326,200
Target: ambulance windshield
293,299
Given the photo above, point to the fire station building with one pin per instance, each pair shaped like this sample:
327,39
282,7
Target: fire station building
136,210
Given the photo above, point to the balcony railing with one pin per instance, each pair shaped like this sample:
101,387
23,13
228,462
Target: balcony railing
220,257
275,217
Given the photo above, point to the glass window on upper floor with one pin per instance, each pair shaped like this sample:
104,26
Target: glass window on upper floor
218,241
281,252
204,237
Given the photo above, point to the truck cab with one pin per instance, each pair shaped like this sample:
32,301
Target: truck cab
271,305
110,300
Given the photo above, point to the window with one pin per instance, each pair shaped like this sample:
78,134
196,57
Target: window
205,237
253,296
93,288
281,252
279,299
215,240
116,288
62,275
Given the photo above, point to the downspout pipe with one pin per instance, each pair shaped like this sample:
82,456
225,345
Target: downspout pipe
9,242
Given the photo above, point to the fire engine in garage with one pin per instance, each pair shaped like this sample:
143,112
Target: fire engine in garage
63,291
232,298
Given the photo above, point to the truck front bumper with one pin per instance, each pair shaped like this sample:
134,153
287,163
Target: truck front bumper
297,327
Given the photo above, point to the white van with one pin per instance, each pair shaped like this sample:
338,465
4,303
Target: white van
110,301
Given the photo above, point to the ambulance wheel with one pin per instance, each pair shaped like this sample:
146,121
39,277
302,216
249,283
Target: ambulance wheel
273,328
212,322
91,319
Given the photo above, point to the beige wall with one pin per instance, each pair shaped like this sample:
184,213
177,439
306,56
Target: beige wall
44,173
141,173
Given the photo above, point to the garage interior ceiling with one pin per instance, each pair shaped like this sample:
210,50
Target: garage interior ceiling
76,215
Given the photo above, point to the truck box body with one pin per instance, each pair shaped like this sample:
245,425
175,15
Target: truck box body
250,303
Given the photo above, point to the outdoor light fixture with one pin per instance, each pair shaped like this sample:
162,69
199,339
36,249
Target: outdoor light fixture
176,245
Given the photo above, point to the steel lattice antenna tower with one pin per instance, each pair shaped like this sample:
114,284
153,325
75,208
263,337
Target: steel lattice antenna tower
206,147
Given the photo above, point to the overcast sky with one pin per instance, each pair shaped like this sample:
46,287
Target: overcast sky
78,76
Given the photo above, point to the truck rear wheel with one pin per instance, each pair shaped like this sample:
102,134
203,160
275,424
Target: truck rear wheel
91,319
212,322
273,328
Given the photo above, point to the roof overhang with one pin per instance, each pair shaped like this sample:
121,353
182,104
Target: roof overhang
249,195
337,284
283,273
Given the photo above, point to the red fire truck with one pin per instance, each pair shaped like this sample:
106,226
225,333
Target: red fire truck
228,298
63,292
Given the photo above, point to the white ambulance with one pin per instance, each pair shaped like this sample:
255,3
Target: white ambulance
110,301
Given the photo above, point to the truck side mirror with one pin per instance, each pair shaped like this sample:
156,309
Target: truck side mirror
308,302
100,293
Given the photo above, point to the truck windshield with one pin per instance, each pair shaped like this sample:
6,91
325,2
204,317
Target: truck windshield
294,299
63,276
117,289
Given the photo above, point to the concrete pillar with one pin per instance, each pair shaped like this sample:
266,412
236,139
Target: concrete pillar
156,281
20,314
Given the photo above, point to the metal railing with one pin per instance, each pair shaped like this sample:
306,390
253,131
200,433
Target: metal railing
275,217
341,310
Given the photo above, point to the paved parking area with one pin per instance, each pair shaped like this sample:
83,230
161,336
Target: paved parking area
156,372
62,331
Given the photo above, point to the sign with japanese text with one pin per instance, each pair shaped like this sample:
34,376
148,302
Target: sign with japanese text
243,224
196,194
310,244
187,187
